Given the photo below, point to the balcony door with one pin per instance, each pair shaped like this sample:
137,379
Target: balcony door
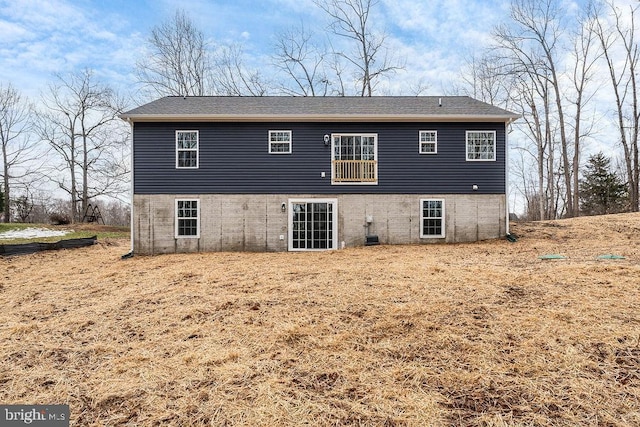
354,158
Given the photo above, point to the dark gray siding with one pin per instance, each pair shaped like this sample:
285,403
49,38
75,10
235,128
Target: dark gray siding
234,159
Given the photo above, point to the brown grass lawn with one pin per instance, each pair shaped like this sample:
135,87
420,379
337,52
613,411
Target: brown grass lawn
466,334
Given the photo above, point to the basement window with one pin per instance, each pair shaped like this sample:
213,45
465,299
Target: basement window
428,142
279,142
187,149
431,218
188,218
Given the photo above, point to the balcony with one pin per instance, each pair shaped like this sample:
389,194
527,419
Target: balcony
355,171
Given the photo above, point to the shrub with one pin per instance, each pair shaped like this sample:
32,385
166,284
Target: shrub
58,218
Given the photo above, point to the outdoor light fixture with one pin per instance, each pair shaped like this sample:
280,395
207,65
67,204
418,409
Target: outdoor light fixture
327,138
283,207
474,187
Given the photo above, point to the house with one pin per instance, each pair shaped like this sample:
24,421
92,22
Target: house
316,173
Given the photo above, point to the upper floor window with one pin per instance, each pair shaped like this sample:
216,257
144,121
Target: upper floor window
354,159
279,142
428,142
187,149
481,145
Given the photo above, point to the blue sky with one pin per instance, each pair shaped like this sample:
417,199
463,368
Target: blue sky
39,38
43,37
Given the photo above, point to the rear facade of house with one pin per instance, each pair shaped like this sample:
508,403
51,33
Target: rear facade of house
304,174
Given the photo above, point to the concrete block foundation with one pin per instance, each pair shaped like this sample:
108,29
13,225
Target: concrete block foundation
259,223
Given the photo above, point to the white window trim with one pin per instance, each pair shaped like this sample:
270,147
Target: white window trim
290,142
430,142
197,236
432,236
375,156
466,146
197,149
334,236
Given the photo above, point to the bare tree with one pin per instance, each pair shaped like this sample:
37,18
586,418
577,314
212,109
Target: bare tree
339,68
539,27
23,206
178,61
18,150
80,124
533,48
370,56
524,63
302,62
623,77
584,58
234,79
531,98
115,212
483,78
418,87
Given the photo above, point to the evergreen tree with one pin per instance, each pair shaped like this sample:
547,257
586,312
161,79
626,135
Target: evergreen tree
601,191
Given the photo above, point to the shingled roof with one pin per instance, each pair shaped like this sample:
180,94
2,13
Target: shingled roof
270,108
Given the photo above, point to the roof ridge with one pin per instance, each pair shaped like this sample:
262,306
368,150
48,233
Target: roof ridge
235,108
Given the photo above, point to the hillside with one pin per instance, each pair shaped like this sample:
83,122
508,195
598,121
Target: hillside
584,237
467,334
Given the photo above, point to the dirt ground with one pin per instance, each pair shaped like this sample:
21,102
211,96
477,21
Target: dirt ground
482,334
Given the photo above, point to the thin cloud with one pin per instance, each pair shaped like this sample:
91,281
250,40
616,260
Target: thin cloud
11,33
435,38
445,23
58,36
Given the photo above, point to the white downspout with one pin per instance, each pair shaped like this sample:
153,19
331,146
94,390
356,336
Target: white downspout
131,224
506,169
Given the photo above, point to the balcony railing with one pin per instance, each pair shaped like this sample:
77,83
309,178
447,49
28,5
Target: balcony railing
355,171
